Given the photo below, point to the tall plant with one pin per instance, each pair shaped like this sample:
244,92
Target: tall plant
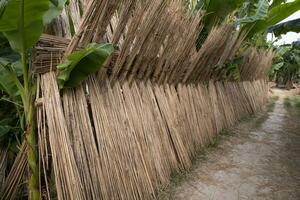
22,22
286,67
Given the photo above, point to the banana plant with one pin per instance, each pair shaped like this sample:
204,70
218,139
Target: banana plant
277,12
256,17
286,67
22,22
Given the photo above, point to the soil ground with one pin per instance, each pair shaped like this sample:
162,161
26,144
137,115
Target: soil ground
259,159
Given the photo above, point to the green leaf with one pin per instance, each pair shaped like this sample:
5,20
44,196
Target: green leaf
23,20
2,6
277,2
260,13
281,50
283,28
55,8
71,24
278,66
4,130
217,10
276,14
8,78
79,65
11,21
8,54
55,2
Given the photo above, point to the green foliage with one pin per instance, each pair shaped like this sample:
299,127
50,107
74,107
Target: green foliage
286,67
71,24
10,100
229,71
8,56
259,41
30,18
275,15
277,2
253,16
10,125
293,102
283,28
4,130
81,64
55,8
8,78
260,12
275,68
217,10
10,128
10,75
10,72
2,6
21,21
21,24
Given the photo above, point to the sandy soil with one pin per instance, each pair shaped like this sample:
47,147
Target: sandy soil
261,161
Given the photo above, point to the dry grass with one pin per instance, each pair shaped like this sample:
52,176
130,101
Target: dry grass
256,64
3,166
12,184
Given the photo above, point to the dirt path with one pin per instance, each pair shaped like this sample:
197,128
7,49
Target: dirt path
260,161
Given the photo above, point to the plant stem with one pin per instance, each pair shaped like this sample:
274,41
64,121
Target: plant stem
32,155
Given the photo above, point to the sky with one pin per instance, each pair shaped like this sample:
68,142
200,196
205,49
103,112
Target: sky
290,36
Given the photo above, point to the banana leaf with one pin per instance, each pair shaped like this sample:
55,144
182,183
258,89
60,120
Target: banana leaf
22,21
283,28
79,65
9,78
277,2
217,10
276,15
260,12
